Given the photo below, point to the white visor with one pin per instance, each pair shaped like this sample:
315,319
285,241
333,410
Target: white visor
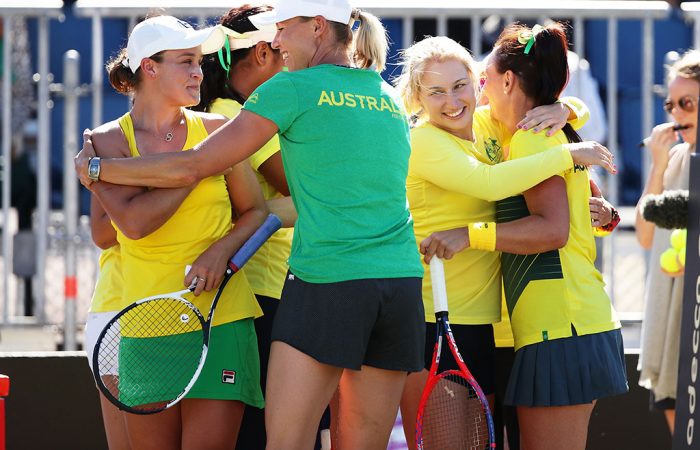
249,39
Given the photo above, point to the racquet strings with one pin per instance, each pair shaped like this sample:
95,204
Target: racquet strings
149,354
454,417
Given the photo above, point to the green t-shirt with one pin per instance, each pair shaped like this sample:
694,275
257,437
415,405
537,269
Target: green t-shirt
345,147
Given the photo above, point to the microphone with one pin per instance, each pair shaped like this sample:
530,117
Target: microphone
676,127
667,210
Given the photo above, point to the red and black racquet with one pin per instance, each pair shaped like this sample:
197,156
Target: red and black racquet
453,412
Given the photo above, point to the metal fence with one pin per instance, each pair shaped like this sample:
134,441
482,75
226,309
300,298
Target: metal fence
44,11
54,239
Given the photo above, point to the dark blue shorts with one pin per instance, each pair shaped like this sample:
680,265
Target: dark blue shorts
477,347
661,405
568,371
375,322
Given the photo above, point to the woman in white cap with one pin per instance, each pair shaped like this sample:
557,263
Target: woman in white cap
351,313
160,231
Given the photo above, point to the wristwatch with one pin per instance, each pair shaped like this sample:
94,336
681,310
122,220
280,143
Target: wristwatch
94,168
613,222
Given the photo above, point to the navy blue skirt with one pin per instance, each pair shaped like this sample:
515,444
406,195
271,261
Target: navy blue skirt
568,371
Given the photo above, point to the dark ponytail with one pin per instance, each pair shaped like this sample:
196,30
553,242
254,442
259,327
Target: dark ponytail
543,71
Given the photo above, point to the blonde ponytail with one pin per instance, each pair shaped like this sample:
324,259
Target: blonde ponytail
370,44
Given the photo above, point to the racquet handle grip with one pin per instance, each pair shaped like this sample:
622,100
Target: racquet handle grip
249,247
437,276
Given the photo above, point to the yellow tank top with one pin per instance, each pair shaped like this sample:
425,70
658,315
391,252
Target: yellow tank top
267,269
108,289
156,263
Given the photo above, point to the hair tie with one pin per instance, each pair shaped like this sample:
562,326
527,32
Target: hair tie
355,16
225,63
125,63
527,37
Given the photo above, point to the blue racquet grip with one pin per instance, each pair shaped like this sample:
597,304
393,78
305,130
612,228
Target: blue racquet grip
248,249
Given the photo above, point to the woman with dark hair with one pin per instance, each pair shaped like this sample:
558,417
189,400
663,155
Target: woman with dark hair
567,337
351,315
247,61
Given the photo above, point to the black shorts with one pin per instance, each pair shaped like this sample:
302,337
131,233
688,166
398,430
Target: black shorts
477,347
373,322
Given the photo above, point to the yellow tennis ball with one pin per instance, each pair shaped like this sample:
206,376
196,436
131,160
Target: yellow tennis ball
669,260
678,238
681,256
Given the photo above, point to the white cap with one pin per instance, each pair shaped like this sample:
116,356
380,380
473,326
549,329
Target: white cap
169,33
334,10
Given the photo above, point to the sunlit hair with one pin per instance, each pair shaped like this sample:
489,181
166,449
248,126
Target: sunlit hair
414,61
688,66
370,44
367,45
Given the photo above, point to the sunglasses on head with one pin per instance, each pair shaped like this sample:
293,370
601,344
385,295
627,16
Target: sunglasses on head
686,103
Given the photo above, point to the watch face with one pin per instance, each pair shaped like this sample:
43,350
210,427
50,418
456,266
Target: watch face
94,168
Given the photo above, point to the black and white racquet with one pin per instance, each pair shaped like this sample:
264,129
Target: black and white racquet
148,357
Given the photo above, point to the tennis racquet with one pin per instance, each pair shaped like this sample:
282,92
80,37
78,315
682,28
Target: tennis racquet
453,412
148,357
